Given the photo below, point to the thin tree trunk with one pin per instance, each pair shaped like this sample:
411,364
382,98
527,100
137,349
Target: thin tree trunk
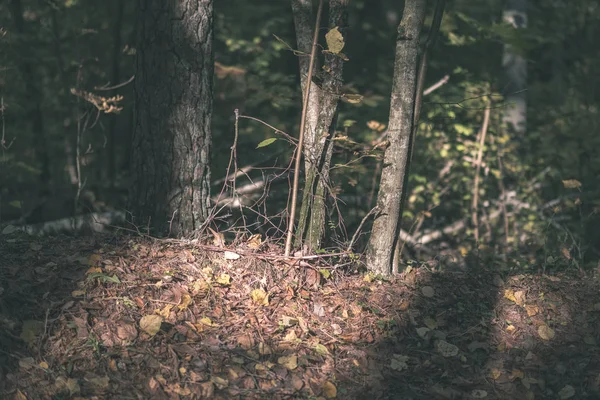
515,69
386,226
320,124
115,78
172,137
33,96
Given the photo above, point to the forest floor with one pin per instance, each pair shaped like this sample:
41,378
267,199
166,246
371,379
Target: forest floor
114,317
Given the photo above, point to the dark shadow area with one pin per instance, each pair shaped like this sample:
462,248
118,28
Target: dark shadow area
473,333
37,280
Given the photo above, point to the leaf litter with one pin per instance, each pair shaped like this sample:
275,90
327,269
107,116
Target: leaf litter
122,317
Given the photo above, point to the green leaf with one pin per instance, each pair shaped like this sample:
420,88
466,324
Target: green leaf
266,142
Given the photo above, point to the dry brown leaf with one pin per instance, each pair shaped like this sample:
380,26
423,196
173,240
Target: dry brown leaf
428,291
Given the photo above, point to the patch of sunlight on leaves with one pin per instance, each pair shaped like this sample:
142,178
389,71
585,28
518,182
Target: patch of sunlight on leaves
151,324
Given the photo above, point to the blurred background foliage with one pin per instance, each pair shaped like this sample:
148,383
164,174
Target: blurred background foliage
90,46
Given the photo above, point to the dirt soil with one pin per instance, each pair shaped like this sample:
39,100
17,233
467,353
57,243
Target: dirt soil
120,317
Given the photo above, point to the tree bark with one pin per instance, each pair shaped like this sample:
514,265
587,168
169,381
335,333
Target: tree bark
33,97
515,69
170,193
386,228
320,124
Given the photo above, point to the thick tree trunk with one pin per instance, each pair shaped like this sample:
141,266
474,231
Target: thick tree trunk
386,227
515,69
320,124
173,90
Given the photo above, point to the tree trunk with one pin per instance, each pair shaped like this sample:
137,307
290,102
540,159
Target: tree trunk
33,97
320,123
515,69
172,136
386,226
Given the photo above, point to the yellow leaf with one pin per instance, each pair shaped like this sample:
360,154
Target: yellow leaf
510,328
335,40
516,374
329,390
260,297
94,260
78,293
531,310
290,362
255,241
376,126
352,98
224,279
186,300
94,270
44,365
516,297
219,382
545,332
20,396
151,324
322,350
166,311
571,184
495,373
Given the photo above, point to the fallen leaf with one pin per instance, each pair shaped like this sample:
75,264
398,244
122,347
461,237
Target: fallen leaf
566,392
398,362
20,396
322,350
186,300
230,255
532,310
428,291
224,279
495,373
151,324
255,241
446,349
44,365
430,322
260,297
329,390
290,362
219,382
545,332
